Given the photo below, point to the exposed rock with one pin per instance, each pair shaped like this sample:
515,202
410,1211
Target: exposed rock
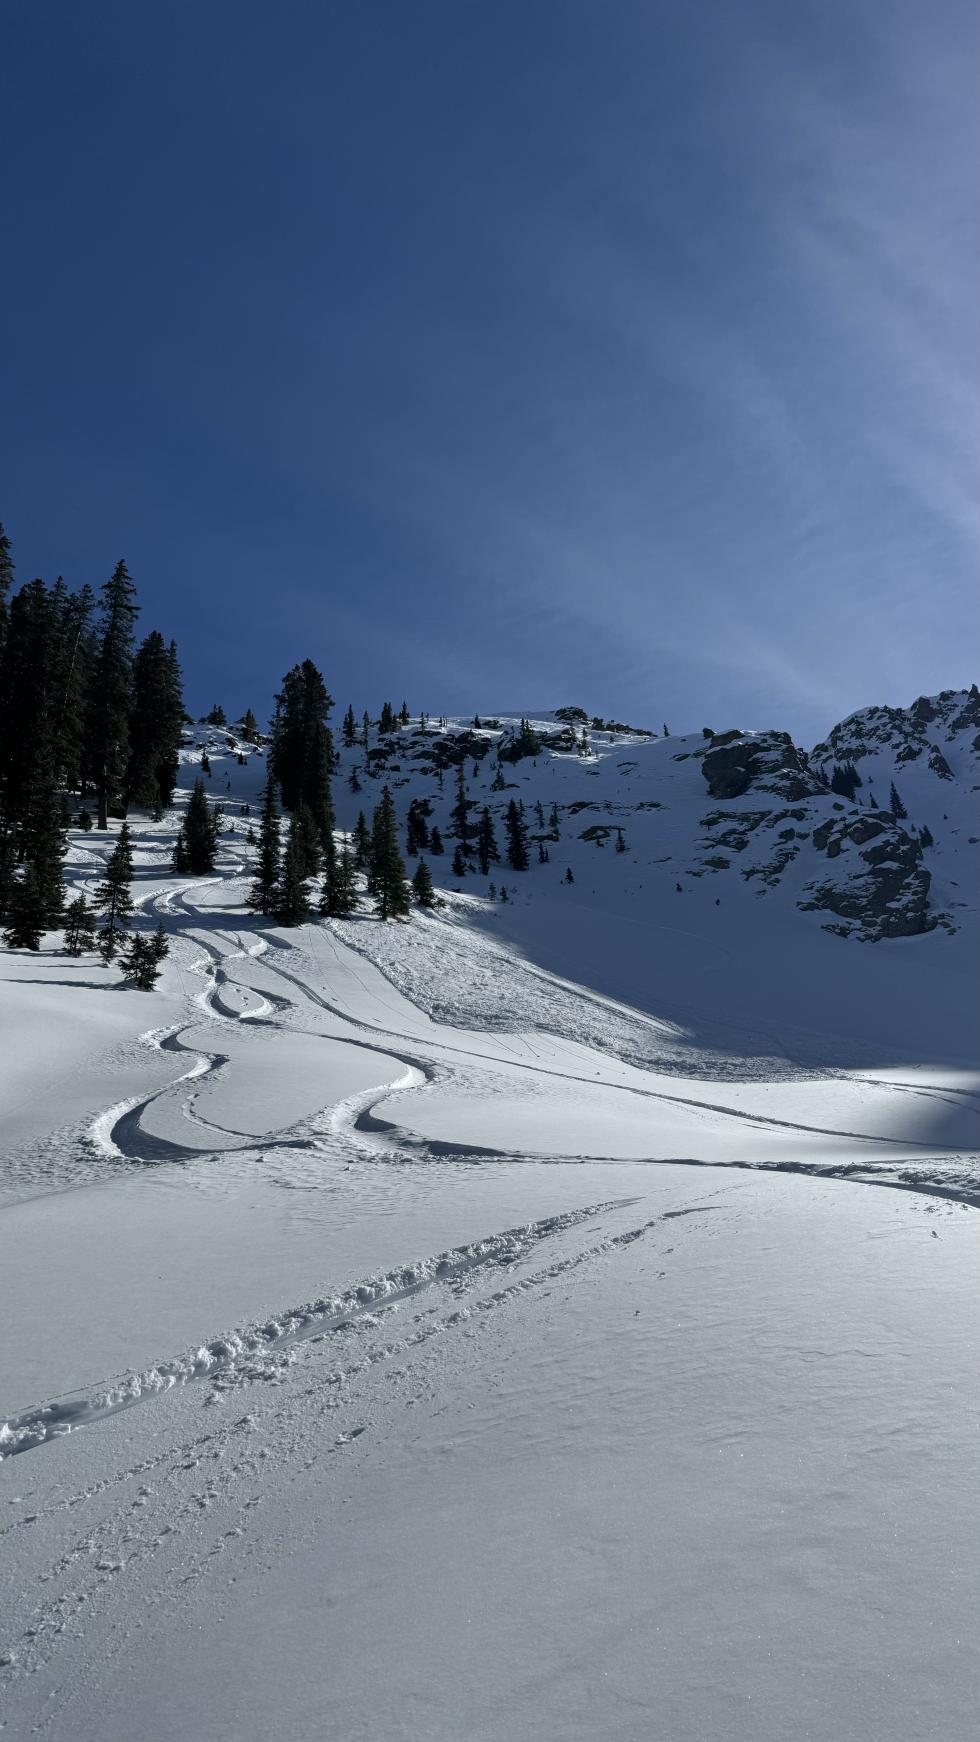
767,762
883,888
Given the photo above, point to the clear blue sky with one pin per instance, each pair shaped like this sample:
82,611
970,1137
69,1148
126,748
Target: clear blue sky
503,353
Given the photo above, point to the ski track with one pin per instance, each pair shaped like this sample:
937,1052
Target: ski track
118,1134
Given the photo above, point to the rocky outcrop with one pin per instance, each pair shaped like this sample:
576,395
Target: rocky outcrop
906,734
763,762
878,884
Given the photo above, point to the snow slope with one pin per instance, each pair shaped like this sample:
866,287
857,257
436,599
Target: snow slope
549,1319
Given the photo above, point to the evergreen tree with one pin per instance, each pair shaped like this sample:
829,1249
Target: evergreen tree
217,716
404,715
620,841
459,863
6,583
386,723
200,833
353,780
108,747
140,960
154,725
417,828
422,884
292,895
845,780
517,848
365,729
25,912
390,885
178,858
362,843
349,728
553,822
113,898
435,843
79,927
249,727
543,854
262,895
339,896
308,838
486,842
460,812
570,879
926,838
895,804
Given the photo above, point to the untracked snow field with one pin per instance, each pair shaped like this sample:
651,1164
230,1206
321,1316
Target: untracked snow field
503,1325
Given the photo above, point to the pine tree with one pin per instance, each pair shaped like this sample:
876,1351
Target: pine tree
460,812
517,851
339,896
553,822
620,841
301,754
349,728
292,894
249,727
362,843
422,884
178,858
262,895
386,723
895,804
435,843
417,828
404,715
543,854
25,912
353,780
154,725
365,729
79,927
570,879
390,885
6,583
113,898
486,842
503,893
200,833
108,747
217,716
141,958
309,841
926,838
459,863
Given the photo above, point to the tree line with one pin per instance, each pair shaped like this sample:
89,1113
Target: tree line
84,710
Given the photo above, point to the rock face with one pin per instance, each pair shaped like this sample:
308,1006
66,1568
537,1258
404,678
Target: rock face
765,762
878,883
848,856
906,734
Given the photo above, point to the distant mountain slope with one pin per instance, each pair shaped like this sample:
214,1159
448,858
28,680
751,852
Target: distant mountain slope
872,834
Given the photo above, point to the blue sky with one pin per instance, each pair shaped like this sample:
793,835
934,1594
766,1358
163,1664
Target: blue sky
504,353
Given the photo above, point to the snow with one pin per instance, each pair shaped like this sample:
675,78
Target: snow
555,1319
